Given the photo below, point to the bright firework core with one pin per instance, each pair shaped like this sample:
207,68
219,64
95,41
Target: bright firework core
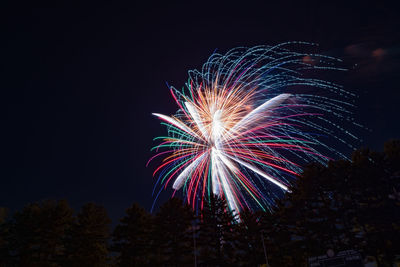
241,128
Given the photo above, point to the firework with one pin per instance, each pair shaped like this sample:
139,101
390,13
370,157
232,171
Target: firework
246,123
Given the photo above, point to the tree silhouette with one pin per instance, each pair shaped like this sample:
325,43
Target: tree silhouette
87,241
217,234
172,234
4,231
37,233
131,238
345,205
249,238
375,214
3,214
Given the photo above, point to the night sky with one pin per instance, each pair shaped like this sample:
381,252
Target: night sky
79,84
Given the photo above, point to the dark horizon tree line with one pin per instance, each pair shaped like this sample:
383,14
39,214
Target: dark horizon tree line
345,205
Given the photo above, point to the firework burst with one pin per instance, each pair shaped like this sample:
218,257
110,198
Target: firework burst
246,123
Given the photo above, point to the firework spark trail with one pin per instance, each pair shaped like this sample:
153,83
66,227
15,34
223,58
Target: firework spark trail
244,123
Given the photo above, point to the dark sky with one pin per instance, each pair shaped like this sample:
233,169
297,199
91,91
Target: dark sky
79,84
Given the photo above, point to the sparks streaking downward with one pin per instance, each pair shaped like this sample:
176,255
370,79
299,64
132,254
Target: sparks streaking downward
245,123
